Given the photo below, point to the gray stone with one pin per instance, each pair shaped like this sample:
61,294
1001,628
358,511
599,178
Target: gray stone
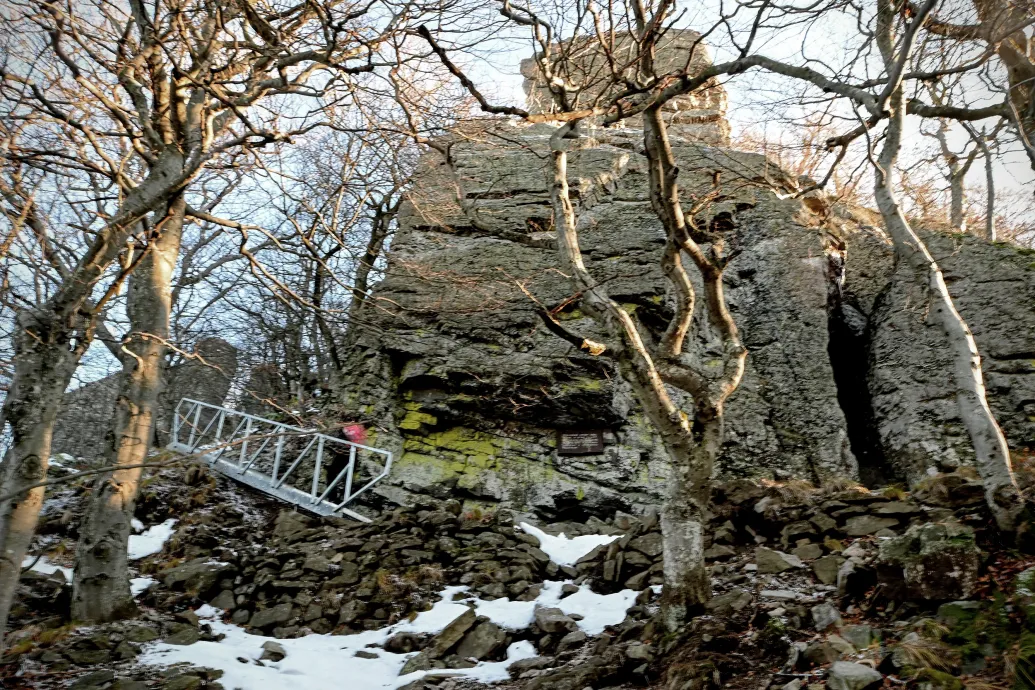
956,611
128,684
648,544
825,616
93,679
808,552
224,600
200,575
184,681
273,651
845,675
861,636
553,620
267,618
418,662
841,644
141,634
772,561
351,611
862,525
826,568
638,651
718,552
535,663
725,604
822,653
571,640
936,561
482,640
451,634
185,636
913,399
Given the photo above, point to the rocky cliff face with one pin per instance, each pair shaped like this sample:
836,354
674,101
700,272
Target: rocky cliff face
845,378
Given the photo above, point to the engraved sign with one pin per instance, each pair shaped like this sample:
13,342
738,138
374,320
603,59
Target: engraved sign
580,442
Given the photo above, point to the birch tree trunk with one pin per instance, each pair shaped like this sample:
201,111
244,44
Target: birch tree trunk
101,589
693,446
956,218
992,456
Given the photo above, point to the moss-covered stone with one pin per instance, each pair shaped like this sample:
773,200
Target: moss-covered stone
937,561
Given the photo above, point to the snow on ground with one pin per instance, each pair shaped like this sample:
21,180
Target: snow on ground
563,550
150,541
139,585
597,610
46,567
320,662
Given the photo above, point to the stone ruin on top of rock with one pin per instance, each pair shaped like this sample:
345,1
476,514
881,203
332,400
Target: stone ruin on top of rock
845,377
699,116
85,416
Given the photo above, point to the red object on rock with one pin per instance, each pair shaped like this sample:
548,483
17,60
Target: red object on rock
356,433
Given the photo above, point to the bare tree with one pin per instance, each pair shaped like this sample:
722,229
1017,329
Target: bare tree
143,102
653,366
882,105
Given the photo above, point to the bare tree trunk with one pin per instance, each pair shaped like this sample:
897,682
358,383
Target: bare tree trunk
989,195
375,244
992,456
956,218
43,367
101,582
684,516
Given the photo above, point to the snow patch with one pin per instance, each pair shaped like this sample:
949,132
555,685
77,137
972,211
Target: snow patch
137,525
320,662
43,565
597,610
563,550
139,585
150,541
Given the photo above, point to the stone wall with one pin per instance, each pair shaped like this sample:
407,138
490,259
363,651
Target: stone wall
700,115
85,418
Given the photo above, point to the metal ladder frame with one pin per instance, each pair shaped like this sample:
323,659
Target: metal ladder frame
240,465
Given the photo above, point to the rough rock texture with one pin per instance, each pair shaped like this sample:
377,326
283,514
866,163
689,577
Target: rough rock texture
908,366
700,115
85,417
289,575
454,372
455,366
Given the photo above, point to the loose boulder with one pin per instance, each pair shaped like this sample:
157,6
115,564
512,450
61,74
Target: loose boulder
844,675
934,561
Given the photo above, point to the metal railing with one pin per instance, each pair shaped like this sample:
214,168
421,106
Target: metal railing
314,471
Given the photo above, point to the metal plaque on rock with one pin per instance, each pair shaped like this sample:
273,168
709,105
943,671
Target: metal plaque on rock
580,442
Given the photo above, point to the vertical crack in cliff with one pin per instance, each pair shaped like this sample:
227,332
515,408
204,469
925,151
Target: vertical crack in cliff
849,351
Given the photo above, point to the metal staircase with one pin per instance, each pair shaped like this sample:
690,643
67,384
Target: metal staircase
256,452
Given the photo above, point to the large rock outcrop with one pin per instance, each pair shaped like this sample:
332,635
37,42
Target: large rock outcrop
454,372
907,367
